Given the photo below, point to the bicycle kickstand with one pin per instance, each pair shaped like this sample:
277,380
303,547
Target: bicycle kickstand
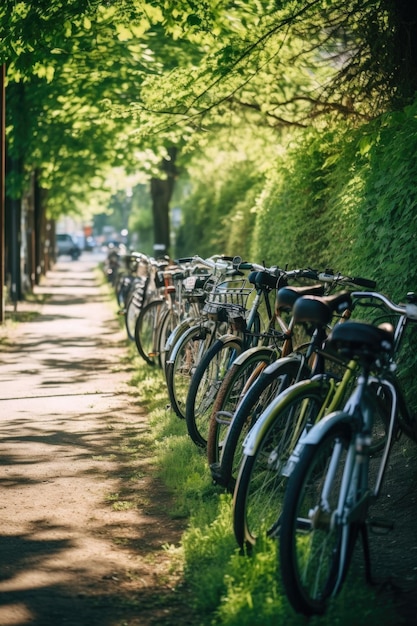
366,553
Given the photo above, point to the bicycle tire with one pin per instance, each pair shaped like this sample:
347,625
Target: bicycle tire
183,360
175,336
146,330
133,307
168,323
260,485
205,384
271,382
122,287
237,381
311,538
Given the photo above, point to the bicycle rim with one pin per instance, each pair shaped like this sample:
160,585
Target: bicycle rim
312,562
260,487
204,386
231,392
258,397
133,308
169,321
185,357
146,331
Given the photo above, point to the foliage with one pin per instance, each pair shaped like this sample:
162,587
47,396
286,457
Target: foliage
140,220
216,218
66,79
387,205
103,81
339,197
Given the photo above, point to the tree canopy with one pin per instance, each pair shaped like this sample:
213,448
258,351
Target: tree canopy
95,84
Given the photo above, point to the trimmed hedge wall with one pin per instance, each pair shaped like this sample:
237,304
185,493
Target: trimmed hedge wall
339,198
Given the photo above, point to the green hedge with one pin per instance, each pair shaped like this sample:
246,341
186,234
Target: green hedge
338,198
217,216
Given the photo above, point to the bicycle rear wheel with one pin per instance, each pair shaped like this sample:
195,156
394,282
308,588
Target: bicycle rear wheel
182,363
315,547
122,288
146,330
170,320
133,306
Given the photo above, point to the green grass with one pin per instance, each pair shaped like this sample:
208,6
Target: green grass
228,588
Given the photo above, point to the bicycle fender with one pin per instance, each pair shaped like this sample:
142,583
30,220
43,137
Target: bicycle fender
295,357
321,428
187,333
313,437
178,331
259,429
228,337
265,351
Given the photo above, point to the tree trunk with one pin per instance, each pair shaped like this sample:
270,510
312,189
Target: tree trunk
405,19
161,194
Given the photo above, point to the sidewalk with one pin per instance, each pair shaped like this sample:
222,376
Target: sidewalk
67,554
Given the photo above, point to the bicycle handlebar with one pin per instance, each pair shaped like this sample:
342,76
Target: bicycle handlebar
409,309
328,277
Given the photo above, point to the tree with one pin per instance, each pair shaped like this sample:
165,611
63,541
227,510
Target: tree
104,82
161,191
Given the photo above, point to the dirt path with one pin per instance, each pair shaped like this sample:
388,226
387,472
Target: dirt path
82,519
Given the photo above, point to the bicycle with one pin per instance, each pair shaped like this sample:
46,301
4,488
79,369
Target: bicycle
194,337
126,277
113,262
333,476
180,306
245,323
160,315
249,367
229,426
195,285
142,290
260,483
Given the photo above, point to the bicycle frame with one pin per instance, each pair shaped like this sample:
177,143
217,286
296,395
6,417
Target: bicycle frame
355,494
333,399
326,419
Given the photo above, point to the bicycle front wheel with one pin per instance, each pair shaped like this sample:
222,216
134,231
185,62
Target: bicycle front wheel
182,363
268,385
260,486
315,547
146,330
205,384
235,384
170,320
133,307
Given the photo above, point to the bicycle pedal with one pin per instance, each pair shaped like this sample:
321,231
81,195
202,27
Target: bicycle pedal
121,312
380,526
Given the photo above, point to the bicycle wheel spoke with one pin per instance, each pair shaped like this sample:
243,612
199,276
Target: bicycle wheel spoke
315,546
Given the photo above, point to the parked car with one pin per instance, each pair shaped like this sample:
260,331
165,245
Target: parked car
90,244
67,246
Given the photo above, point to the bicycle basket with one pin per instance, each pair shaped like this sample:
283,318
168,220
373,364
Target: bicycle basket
228,302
